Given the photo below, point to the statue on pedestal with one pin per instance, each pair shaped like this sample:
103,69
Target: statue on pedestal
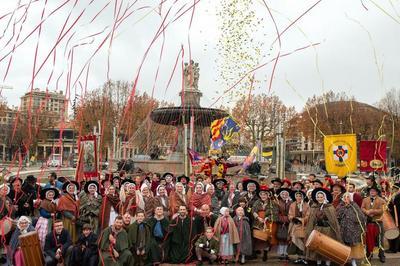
191,74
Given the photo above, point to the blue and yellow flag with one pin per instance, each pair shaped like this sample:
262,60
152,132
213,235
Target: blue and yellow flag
222,131
340,154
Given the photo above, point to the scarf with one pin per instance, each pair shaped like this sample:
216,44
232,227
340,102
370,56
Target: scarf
158,230
114,200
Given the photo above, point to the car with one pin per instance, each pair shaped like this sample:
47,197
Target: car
55,160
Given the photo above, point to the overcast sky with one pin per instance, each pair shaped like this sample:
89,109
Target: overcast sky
358,49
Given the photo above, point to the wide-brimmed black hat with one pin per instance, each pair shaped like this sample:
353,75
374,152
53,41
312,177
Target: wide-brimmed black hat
220,180
43,192
374,187
277,180
298,182
248,181
342,188
326,192
295,192
318,181
64,187
279,191
179,178
31,178
166,174
86,187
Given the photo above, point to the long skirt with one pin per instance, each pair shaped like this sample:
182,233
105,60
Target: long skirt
71,228
43,227
225,247
18,258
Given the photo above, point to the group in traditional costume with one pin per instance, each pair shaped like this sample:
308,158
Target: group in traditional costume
152,219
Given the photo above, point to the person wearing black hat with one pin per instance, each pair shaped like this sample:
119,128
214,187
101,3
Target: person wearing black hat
276,184
298,213
47,210
185,182
323,219
297,186
21,202
317,183
394,209
251,188
337,191
31,189
90,205
68,205
371,182
220,185
53,182
265,213
373,206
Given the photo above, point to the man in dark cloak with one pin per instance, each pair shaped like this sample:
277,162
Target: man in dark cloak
21,202
205,219
180,237
114,245
58,245
159,229
85,250
139,239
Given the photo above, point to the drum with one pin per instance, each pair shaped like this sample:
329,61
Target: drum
389,226
328,247
31,250
5,226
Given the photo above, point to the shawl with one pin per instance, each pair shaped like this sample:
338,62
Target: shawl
14,242
233,232
330,212
48,205
149,206
68,203
177,200
109,200
129,205
198,200
162,201
352,222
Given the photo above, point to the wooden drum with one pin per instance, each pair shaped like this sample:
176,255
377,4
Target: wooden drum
31,250
389,226
328,247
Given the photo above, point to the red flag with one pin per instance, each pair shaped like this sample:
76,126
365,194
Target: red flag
373,156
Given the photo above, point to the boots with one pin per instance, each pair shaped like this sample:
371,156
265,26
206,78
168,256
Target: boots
265,255
381,256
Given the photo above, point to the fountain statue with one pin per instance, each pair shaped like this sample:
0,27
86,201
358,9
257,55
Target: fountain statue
190,107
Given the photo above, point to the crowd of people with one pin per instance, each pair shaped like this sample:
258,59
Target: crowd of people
149,219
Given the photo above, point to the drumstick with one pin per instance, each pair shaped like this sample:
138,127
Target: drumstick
395,216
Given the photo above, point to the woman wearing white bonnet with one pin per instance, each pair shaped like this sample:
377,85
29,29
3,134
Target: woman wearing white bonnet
162,199
23,227
227,233
323,219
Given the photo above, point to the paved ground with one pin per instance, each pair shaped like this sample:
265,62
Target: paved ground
391,260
